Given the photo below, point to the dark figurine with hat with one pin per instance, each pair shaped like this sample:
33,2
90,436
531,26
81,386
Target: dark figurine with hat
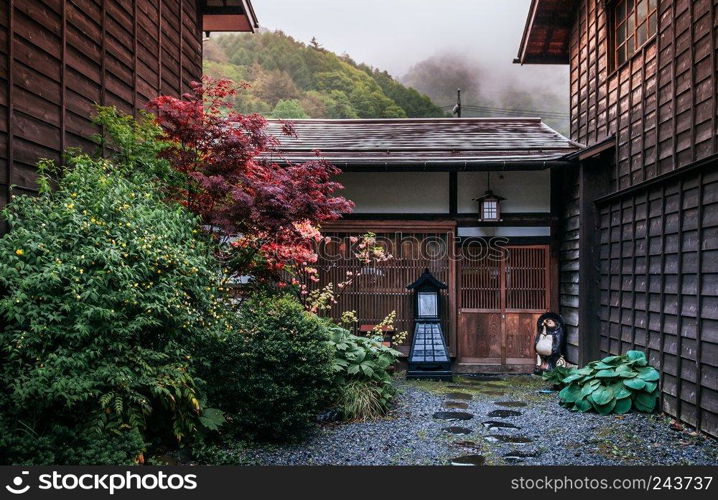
550,340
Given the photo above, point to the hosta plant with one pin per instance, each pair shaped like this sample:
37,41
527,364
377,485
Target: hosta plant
362,367
616,384
555,377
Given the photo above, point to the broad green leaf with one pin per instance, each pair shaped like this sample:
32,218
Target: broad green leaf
607,408
623,406
606,374
583,405
212,418
602,395
612,360
650,387
634,383
571,378
570,393
649,374
645,402
589,388
636,356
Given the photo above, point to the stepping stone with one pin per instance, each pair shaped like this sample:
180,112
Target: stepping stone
469,460
546,391
465,444
522,454
483,378
513,460
492,393
511,404
504,413
458,395
455,405
453,415
502,438
493,425
458,430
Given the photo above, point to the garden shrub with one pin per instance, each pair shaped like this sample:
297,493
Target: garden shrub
555,377
615,384
105,292
362,366
273,375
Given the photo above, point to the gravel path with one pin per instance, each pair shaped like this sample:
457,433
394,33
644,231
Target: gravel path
542,434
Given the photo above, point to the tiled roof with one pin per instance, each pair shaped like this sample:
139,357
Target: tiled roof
434,142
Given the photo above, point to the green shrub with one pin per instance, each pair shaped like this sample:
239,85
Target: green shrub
105,290
360,400
273,375
555,377
362,366
615,384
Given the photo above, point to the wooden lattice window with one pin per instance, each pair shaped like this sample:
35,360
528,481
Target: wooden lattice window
634,23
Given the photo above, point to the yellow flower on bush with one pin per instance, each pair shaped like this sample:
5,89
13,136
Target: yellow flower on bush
19,252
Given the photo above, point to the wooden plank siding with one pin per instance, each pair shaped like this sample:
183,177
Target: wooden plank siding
657,222
567,233
661,103
58,58
659,287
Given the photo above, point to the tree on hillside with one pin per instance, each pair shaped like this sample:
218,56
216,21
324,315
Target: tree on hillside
273,86
289,109
277,67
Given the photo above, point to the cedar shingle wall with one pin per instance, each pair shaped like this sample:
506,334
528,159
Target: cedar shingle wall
661,104
658,247
105,52
659,288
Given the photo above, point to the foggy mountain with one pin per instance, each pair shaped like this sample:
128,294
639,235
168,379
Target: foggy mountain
491,89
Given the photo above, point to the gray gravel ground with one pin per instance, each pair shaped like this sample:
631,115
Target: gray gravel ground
411,436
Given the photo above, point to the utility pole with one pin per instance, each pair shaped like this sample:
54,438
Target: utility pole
457,108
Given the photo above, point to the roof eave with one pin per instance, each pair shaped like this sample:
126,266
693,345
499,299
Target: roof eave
524,55
521,59
438,165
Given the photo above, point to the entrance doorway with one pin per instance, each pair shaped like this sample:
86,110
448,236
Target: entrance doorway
500,298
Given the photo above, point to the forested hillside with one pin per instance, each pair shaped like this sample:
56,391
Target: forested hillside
292,80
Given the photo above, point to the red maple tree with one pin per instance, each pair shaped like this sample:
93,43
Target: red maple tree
267,213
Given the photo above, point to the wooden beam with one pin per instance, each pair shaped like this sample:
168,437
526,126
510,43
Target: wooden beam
378,226
63,86
524,219
660,179
453,193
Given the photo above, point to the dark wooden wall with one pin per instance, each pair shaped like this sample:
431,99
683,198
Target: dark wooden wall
58,58
568,234
661,104
659,286
657,225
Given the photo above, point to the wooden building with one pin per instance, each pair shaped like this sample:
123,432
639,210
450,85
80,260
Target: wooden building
58,58
415,182
639,222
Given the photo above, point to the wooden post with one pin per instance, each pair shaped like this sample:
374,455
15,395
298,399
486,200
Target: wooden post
453,193
593,183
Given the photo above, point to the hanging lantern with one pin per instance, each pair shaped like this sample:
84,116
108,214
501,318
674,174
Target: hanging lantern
489,204
228,16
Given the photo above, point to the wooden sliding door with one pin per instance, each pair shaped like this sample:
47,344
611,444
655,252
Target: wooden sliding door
501,296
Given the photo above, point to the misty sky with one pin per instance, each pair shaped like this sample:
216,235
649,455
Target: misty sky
395,34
